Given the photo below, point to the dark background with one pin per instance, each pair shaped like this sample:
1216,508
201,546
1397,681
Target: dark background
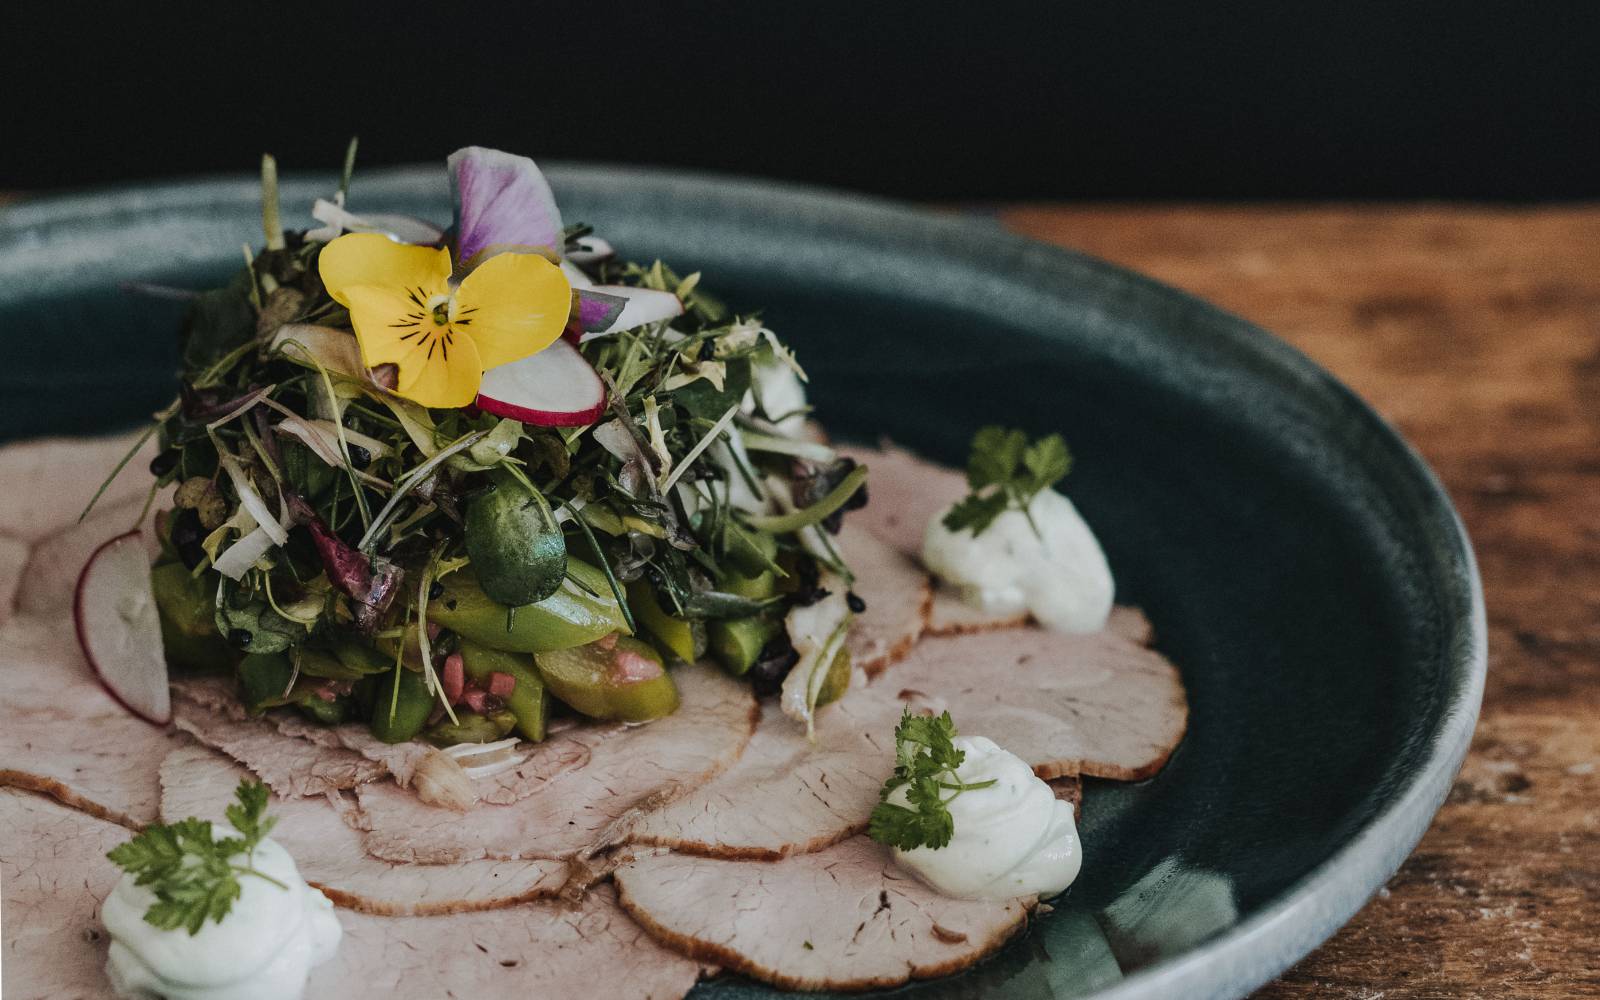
978,101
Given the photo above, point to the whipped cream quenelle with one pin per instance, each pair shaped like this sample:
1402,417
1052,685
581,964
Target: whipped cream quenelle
1013,838
1059,575
264,949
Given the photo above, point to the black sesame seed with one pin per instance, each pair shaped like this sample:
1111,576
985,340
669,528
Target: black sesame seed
359,456
239,637
856,603
436,591
164,463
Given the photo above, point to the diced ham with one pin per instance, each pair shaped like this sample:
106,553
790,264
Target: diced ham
844,918
64,736
196,781
896,593
502,685
53,875
787,794
453,677
572,808
1100,704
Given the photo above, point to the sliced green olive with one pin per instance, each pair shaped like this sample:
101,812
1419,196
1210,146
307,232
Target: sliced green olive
470,727
683,638
581,610
614,678
411,706
838,680
737,642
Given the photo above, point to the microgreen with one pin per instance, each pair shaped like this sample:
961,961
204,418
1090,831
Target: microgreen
192,873
926,759
1005,472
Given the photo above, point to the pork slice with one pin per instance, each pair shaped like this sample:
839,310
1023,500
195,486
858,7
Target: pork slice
50,578
904,492
53,875
197,781
896,592
592,950
62,735
786,794
948,614
49,481
13,557
397,759
1099,704
843,918
1069,789
313,765
625,771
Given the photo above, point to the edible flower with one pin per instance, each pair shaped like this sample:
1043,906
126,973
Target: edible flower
442,337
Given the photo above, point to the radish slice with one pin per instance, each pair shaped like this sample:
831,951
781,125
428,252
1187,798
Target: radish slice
554,388
642,305
119,628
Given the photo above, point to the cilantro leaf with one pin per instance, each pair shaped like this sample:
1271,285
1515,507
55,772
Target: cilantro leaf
926,759
1005,472
191,872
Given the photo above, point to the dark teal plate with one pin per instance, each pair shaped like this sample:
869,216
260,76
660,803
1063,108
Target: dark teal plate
1300,564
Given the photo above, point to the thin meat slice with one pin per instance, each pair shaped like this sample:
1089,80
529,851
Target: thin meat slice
53,875
626,771
13,557
542,949
904,492
948,614
50,578
787,795
1069,789
314,765
62,735
196,781
49,481
1100,704
843,918
896,593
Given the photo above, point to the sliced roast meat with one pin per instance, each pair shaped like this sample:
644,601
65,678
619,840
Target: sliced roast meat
626,770
948,614
542,949
1069,789
1100,704
196,781
904,492
397,759
843,918
314,765
64,736
13,557
53,875
49,481
896,593
50,577
787,795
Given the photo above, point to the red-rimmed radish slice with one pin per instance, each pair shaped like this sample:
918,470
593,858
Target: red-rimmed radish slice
119,628
639,306
554,388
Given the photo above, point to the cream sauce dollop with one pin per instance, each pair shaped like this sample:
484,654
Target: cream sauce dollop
1013,838
264,949
1058,575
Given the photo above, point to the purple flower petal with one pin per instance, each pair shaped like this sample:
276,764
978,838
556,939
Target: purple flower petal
597,310
641,306
502,202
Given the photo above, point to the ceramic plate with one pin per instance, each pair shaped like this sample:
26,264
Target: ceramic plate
1300,564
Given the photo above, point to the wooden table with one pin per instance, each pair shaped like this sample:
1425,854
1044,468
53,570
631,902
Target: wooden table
1477,332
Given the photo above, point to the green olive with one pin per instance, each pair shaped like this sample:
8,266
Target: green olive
614,678
529,702
581,610
514,542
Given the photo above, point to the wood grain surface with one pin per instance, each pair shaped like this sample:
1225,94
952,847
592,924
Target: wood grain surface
1477,332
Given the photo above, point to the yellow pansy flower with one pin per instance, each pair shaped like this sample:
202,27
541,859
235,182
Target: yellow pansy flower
442,338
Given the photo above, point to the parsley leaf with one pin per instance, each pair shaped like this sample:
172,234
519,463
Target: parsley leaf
926,759
191,873
1005,472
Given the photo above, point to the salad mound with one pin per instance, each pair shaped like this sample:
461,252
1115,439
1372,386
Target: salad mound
454,482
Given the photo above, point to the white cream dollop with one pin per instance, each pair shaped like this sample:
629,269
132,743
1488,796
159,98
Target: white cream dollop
264,949
1059,575
1013,838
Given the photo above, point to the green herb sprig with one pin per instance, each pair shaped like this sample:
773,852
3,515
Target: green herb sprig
1005,472
926,759
191,873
